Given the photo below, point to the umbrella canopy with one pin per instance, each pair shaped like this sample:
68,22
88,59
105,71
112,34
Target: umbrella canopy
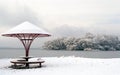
26,33
26,28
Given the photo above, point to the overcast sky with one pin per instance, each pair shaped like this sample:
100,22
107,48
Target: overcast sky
62,17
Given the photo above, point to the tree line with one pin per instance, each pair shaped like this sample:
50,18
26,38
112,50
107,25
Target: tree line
86,43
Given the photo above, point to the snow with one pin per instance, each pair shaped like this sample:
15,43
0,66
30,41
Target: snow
66,66
26,27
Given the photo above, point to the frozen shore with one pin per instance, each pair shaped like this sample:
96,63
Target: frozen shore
66,66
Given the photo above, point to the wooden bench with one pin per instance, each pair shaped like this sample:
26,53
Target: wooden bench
27,63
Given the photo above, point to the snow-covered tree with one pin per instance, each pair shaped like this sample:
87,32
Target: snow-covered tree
88,42
57,44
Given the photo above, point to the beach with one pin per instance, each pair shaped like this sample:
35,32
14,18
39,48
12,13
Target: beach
66,66
63,62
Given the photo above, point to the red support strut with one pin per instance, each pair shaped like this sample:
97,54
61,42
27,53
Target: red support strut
26,40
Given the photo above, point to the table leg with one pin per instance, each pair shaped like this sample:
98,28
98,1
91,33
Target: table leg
27,65
39,64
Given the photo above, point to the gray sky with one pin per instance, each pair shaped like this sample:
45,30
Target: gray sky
61,17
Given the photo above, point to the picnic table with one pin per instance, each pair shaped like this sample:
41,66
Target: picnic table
25,61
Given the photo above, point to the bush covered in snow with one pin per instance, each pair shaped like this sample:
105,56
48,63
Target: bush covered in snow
87,43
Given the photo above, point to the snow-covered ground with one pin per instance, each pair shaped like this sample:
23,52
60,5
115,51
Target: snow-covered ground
66,66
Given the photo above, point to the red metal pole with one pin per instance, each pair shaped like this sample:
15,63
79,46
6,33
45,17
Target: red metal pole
26,41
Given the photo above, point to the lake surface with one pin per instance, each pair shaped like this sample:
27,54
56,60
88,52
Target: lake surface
14,53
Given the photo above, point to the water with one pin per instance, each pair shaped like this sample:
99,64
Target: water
14,53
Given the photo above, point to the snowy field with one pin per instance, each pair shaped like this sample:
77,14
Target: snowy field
66,66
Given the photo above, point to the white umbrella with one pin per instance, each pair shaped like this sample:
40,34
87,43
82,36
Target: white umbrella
26,33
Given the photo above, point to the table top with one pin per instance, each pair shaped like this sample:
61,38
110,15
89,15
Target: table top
24,57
